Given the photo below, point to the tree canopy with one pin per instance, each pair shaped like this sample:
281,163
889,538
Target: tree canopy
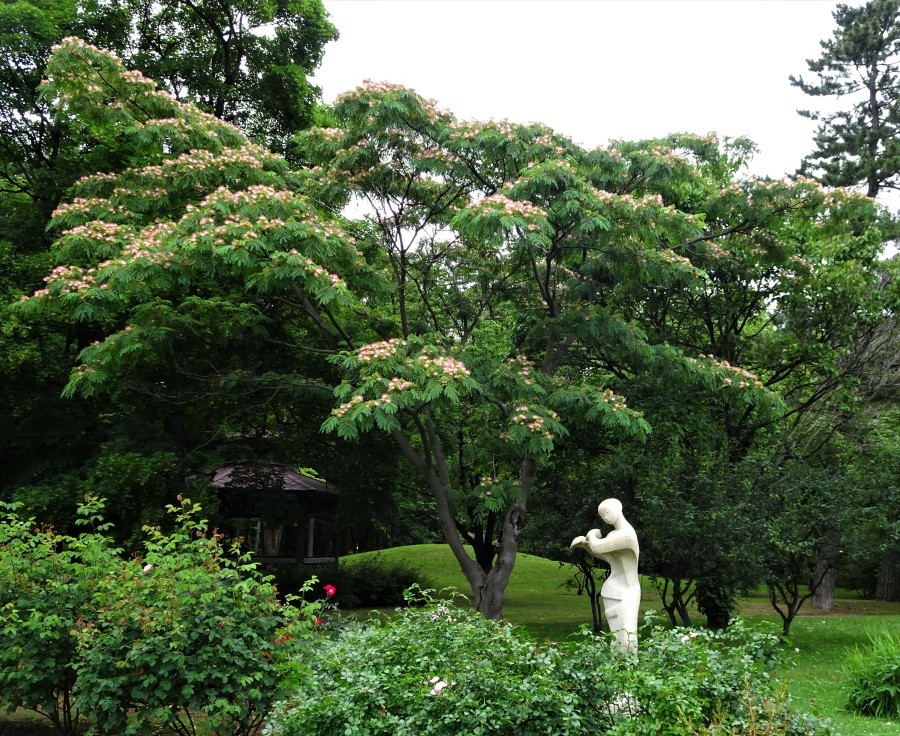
498,292
857,145
246,62
249,63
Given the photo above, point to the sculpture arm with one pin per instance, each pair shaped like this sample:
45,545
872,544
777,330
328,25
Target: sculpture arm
586,541
614,541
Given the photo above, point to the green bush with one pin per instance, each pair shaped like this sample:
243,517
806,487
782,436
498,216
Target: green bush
874,675
184,632
446,671
683,679
760,715
143,644
367,581
372,582
437,670
47,585
292,580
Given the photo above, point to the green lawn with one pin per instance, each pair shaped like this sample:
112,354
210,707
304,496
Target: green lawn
539,599
817,682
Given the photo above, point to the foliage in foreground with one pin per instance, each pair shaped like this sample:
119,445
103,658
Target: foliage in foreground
46,587
444,670
874,675
183,631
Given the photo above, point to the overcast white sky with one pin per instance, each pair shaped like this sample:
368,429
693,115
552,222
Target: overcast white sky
596,69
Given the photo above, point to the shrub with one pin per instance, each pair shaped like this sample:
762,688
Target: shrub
292,580
370,582
438,670
47,584
367,581
874,675
760,715
187,631
686,679
444,670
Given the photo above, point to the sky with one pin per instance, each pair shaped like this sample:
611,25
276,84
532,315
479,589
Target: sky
596,70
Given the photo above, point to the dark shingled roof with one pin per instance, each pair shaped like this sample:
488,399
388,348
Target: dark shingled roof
270,476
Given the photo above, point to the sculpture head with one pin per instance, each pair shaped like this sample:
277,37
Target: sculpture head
610,510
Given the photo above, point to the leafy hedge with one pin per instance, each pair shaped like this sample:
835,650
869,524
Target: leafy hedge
447,671
368,581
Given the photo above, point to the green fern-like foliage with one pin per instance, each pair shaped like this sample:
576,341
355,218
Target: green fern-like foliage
873,672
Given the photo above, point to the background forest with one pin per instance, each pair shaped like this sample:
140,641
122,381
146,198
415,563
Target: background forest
474,330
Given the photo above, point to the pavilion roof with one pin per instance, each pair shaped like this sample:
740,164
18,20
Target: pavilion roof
269,476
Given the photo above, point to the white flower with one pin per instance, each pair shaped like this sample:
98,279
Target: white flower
148,567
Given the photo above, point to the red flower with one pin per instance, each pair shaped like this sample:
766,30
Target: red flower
318,622
330,590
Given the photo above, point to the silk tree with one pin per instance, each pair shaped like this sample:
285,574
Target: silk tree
475,299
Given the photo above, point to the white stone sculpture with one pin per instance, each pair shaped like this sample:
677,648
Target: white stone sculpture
621,593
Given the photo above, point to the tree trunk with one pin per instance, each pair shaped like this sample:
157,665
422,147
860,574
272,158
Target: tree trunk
873,185
888,587
489,598
681,606
593,591
825,577
678,604
785,599
823,598
489,595
487,588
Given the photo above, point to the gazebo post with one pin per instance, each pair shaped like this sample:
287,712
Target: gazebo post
310,536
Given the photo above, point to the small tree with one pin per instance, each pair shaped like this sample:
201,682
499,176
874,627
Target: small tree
803,510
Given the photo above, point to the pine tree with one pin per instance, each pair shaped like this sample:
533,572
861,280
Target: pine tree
859,144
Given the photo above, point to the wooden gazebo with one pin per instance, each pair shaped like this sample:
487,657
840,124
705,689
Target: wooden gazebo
283,516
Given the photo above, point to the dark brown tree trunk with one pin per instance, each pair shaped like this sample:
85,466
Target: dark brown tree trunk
888,587
681,596
487,587
591,588
873,185
823,598
825,576
489,599
489,594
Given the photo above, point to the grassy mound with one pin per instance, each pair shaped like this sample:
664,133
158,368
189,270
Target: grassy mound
537,597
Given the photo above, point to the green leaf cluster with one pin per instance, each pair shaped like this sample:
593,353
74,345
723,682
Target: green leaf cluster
183,630
439,669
